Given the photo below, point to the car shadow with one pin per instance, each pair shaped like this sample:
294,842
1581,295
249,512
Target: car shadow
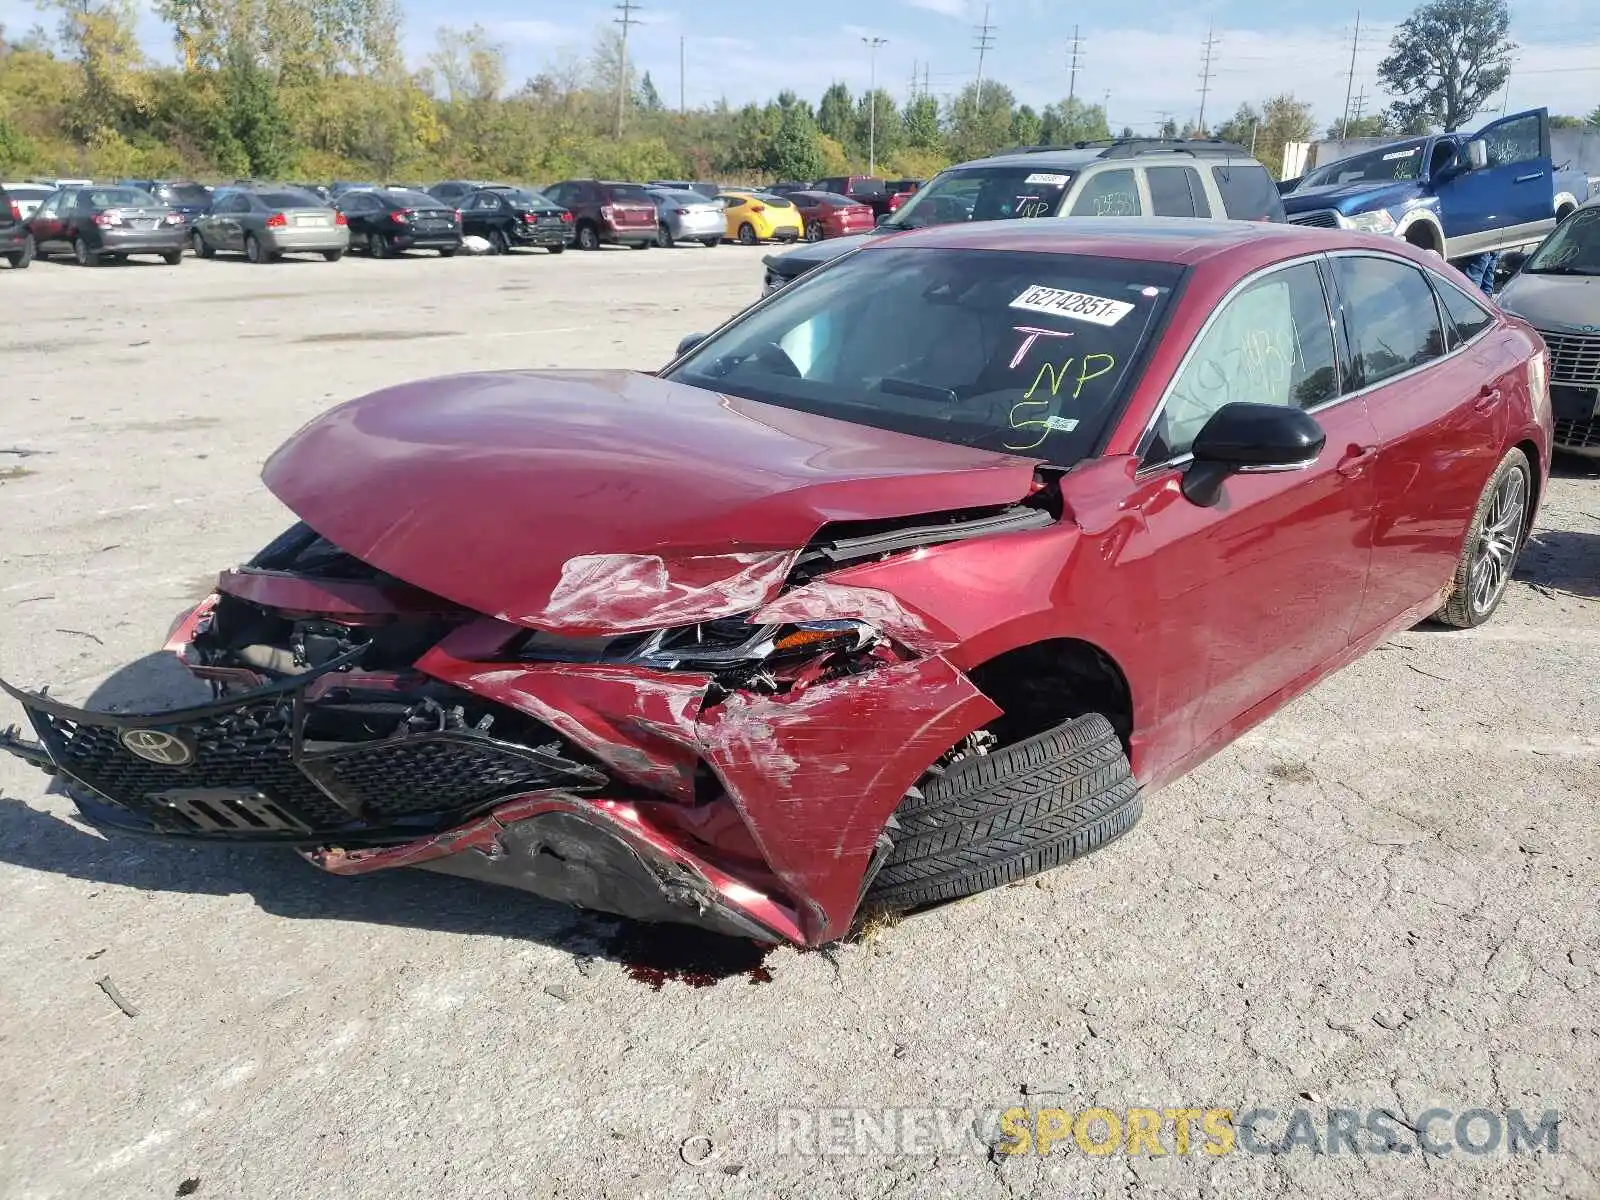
280,881
1562,560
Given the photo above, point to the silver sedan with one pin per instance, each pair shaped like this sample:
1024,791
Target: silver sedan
1557,291
687,217
264,224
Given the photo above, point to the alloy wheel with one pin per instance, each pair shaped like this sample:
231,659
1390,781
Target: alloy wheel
1496,551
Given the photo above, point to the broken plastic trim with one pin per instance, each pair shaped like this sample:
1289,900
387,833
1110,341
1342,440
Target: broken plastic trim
825,555
708,645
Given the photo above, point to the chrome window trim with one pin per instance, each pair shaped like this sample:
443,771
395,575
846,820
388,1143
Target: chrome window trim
1311,259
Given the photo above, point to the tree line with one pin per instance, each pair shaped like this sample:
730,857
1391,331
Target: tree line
319,90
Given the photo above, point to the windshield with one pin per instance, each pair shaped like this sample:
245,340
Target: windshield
985,194
1013,352
1573,249
669,197
122,198
407,198
1386,164
628,193
183,193
526,197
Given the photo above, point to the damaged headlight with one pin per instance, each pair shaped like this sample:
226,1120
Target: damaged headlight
731,642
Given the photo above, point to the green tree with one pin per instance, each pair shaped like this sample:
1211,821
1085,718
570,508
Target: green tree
1026,127
1074,121
1447,59
649,99
921,121
980,125
1561,122
1594,117
794,152
254,120
888,139
1169,129
836,114
1367,125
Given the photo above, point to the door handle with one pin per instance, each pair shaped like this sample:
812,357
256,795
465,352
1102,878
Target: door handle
1528,178
1355,460
1488,397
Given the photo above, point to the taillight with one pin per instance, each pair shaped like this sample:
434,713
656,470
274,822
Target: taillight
339,218
566,217
758,208
607,213
528,218
109,217
399,218
277,221
173,218
16,213
458,216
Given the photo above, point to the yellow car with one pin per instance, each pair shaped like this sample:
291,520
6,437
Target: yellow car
757,217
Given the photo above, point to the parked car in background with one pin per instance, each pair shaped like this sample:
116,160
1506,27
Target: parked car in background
828,214
185,197
25,197
106,223
900,191
684,216
1127,177
1458,194
706,189
606,213
264,223
13,231
511,217
316,189
787,187
340,186
1556,289
454,191
385,222
753,217
864,189
908,583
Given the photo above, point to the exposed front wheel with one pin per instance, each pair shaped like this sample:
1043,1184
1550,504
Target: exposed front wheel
1494,540
995,818
85,256
747,234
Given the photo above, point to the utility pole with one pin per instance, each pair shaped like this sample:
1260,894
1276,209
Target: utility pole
626,8
924,81
1072,65
915,79
985,35
1205,76
1350,80
682,107
872,44
1361,101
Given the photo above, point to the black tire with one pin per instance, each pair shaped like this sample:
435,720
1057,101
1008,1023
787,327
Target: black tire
202,248
85,256
663,236
555,249
814,231
1493,542
333,255
996,818
379,246
448,251
747,234
641,246
711,243
588,236
173,258
252,249
498,242
30,251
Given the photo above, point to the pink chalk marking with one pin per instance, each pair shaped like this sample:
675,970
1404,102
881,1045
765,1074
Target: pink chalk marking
1034,333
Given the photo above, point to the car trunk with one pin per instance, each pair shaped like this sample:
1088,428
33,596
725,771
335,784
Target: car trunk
624,210
144,218
439,220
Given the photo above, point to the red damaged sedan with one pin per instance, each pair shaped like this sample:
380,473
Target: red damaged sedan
829,215
909,581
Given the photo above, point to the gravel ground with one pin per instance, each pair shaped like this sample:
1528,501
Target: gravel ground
1382,898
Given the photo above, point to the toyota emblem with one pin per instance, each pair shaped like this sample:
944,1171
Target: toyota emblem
153,745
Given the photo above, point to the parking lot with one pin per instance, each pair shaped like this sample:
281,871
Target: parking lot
1383,898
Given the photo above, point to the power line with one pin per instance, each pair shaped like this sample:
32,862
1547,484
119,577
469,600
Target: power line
1205,74
1351,82
626,8
985,41
1072,64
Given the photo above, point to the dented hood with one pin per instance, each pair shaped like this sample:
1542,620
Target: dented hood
604,502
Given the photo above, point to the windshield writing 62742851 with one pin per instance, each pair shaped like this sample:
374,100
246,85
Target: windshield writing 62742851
1017,352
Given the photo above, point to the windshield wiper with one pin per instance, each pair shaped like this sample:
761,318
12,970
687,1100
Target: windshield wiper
918,391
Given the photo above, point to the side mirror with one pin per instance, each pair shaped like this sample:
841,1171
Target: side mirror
689,343
1477,154
1249,439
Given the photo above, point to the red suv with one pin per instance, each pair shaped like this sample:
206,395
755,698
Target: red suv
604,213
829,215
907,582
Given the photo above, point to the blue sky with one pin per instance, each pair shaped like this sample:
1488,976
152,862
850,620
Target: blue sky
733,48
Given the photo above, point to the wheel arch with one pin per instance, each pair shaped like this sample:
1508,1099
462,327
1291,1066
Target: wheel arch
1422,229
1566,203
1041,683
1535,485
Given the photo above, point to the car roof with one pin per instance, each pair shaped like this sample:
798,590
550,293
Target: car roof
1082,156
1183,240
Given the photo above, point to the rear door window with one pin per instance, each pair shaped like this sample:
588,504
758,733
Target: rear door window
1390,317
1109,194
1465,318
1176,192
1248,193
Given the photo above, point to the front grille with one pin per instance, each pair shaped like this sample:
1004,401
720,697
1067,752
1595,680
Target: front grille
1322,218
1578,435
253,770
1574,358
